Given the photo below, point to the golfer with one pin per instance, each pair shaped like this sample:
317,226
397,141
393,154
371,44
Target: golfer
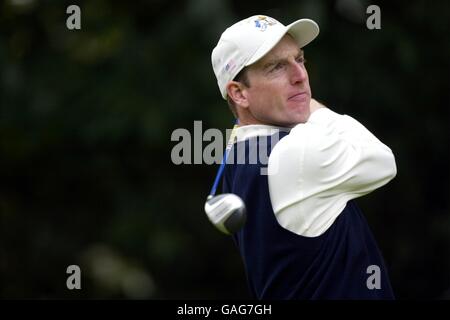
305,237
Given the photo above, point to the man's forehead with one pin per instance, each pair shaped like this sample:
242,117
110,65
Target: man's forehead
285,48
282,54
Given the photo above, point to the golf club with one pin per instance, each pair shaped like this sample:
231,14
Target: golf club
226,211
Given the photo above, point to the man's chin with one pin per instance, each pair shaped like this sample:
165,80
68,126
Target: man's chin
297,119
300,114
299,105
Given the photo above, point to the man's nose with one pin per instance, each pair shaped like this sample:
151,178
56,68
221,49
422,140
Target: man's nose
298,72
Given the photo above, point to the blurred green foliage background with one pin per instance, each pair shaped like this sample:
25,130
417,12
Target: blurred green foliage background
86,118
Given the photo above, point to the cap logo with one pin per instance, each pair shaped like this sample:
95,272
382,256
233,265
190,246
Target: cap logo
229,67
263,22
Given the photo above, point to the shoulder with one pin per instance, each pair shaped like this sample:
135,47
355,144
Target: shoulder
317,138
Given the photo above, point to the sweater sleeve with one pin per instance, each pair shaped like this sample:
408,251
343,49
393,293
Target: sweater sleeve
320,166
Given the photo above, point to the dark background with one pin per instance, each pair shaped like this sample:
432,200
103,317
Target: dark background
86,119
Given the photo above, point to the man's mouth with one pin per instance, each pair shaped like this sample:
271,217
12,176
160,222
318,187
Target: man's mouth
298,96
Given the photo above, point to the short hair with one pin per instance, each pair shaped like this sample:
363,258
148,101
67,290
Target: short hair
240,77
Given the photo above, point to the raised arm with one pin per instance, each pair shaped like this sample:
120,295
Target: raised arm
320,166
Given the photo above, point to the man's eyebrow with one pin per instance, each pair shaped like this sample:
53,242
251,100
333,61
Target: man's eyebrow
275,60
300,53
270,63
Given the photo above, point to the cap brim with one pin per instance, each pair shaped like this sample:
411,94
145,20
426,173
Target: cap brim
303,31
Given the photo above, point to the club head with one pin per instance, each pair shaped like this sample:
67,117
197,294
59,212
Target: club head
226,211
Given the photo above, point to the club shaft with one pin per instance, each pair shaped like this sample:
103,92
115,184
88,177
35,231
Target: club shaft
224,160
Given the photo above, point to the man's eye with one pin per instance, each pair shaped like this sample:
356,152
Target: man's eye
301,60
277,66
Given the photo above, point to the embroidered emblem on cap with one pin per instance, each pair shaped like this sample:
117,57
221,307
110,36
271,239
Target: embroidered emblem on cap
229,67
263,22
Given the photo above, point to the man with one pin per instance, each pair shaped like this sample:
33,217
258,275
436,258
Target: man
305,238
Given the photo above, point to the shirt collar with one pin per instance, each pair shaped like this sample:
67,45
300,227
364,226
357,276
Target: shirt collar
255,130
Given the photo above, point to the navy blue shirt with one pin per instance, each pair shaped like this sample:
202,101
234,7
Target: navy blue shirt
281,264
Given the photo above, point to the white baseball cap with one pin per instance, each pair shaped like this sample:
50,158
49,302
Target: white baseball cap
250,39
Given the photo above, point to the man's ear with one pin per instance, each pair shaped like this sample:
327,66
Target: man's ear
236,91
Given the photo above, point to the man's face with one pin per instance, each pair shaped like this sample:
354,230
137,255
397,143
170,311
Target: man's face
279,92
